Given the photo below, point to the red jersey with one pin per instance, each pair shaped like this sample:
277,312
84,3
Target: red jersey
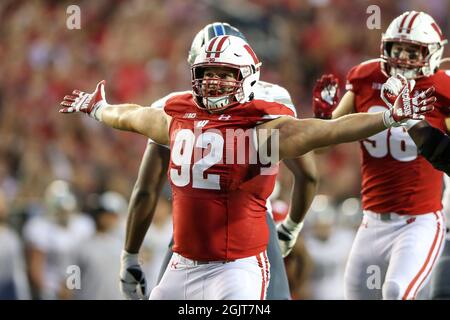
394,177
219,203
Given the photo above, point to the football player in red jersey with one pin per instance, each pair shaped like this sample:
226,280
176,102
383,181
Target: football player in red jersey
401,235
220,171
152,175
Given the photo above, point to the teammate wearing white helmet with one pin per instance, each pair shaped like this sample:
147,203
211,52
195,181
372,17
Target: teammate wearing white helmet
402,232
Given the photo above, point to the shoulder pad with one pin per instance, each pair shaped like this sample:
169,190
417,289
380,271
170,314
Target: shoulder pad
160,103
362,71
274,93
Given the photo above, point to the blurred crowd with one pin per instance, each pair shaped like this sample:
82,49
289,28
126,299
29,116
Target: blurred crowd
140,47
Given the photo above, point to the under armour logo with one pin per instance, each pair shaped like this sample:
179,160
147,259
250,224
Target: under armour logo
201,124
224,117
174,264
376,85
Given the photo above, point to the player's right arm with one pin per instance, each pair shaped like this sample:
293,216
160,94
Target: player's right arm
345,106
150,180
151,122
142,206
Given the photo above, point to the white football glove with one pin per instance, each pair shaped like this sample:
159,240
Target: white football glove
396,92
288,232
392,88
90,103
133,284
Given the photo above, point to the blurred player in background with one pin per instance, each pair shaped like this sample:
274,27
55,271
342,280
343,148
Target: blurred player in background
220,228
50,239
152,175
98,256
13,275
402,232
329,244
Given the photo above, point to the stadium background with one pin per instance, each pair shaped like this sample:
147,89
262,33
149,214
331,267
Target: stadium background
140,48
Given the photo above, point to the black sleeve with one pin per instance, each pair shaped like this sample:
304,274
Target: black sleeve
435,148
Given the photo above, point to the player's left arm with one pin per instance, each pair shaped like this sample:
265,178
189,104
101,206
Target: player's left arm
297,137
302,194
433,144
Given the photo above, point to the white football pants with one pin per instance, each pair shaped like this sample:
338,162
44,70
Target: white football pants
242,279
392,257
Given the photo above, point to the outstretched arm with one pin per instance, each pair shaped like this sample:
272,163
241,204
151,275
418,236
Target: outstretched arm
151,122
309,134
298,137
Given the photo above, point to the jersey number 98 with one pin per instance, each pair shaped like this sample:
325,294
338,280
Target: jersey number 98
394,141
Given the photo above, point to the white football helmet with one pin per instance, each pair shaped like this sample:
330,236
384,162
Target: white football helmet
234,53
210,31
417,28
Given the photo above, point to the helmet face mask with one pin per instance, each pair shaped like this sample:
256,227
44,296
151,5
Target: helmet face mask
409,64
412,30
218,85
234,70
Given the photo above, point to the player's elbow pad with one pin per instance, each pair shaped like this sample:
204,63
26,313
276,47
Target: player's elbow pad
436,149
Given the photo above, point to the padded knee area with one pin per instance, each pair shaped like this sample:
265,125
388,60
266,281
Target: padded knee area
391,291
